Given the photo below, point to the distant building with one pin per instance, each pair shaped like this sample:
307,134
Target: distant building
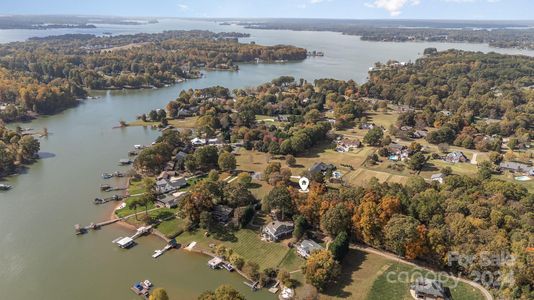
321,167
125,242
282,118
168,201
439,177
429,289
456,157
166,175
367,125
419,134
222,213
180,158
276,230
307,247
515,167
347,145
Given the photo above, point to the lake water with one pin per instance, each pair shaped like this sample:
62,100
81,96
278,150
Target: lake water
41,258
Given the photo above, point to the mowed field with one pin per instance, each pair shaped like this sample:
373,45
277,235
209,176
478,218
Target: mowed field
257,161
247,243
370,276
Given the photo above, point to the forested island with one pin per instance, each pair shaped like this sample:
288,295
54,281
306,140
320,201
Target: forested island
503,34
16,149
46,75
290,127
43,22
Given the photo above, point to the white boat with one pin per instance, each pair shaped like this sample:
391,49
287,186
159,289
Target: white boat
123,205
157,253
147,283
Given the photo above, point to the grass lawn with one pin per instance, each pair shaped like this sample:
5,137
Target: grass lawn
292,261
384,289
358,273
245,242
365,276
171,228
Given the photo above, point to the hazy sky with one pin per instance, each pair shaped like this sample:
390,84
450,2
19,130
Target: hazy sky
353,9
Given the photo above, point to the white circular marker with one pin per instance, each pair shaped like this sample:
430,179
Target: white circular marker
304,183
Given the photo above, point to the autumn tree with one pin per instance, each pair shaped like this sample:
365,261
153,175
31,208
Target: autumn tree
159,294
320,269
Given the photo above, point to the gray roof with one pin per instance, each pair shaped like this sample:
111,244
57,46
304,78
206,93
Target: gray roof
429,287
309,246
277,227
515,166
437,176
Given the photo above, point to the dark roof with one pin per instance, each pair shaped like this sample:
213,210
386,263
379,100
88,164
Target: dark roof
321,167
429,287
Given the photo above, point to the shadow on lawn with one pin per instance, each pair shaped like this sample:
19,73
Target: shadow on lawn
351,263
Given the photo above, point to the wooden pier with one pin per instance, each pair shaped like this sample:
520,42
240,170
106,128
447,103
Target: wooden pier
108,199
78,229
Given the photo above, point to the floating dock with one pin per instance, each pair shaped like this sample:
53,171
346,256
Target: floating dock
108,199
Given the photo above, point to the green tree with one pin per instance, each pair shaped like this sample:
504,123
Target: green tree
337,219
280,198
399,232
227,161
374,137
417,161
290,160
29,147
340,246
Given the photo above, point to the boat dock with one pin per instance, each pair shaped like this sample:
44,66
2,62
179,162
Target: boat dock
108,199
78,229
170,245
129,241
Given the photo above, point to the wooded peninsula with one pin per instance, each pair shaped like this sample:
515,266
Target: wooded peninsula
46,75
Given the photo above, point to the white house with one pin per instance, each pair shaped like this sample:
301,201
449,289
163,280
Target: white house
276,230
307,247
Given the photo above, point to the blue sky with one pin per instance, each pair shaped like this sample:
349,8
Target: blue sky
353,9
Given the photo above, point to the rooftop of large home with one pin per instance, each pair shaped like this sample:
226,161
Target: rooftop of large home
321,167
515,166
428,289
456,156
222,213
275,229
307,247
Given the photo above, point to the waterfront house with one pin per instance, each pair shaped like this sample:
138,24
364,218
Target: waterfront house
164,186
428,289
321,167
276,230
515,167
307,247
456,157
439,177
222,213
168,201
